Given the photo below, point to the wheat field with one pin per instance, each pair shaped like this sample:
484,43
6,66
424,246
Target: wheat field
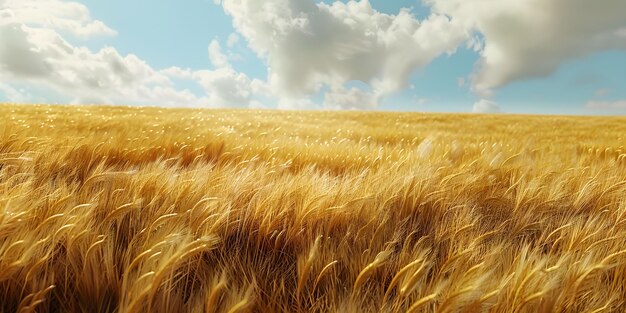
118,209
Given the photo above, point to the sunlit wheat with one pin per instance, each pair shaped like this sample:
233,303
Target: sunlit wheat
117,209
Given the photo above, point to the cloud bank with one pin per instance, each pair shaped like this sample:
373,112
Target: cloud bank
309,45
34,52
532,38
312,50
71,17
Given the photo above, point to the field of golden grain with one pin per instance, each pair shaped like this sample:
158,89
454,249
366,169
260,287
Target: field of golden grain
115,209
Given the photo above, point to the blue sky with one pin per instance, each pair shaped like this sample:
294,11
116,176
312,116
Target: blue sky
161,35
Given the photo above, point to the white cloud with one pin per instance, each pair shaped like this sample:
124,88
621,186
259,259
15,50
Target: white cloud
34,53
44,58
486,106
177,72
217,58
69,16
297,103
224,86
532,38
227,88
350,98
308,45
607,105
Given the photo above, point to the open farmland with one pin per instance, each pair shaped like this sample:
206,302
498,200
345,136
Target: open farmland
178,210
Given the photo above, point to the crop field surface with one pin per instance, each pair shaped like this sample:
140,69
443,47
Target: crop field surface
118,209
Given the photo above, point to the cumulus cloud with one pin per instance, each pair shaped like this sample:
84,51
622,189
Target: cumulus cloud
227,87
310,48
177,72
71,17
42,57
217,58
33,52
486,106
309,45
224,86
532,38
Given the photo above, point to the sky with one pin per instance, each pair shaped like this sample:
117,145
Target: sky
510,56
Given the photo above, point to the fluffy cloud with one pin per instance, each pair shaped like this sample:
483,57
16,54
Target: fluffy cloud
72,17
42,57
229,88
309,48
33,52
350,98
217,58
224,86
177,72
532,38
486,106
308,45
